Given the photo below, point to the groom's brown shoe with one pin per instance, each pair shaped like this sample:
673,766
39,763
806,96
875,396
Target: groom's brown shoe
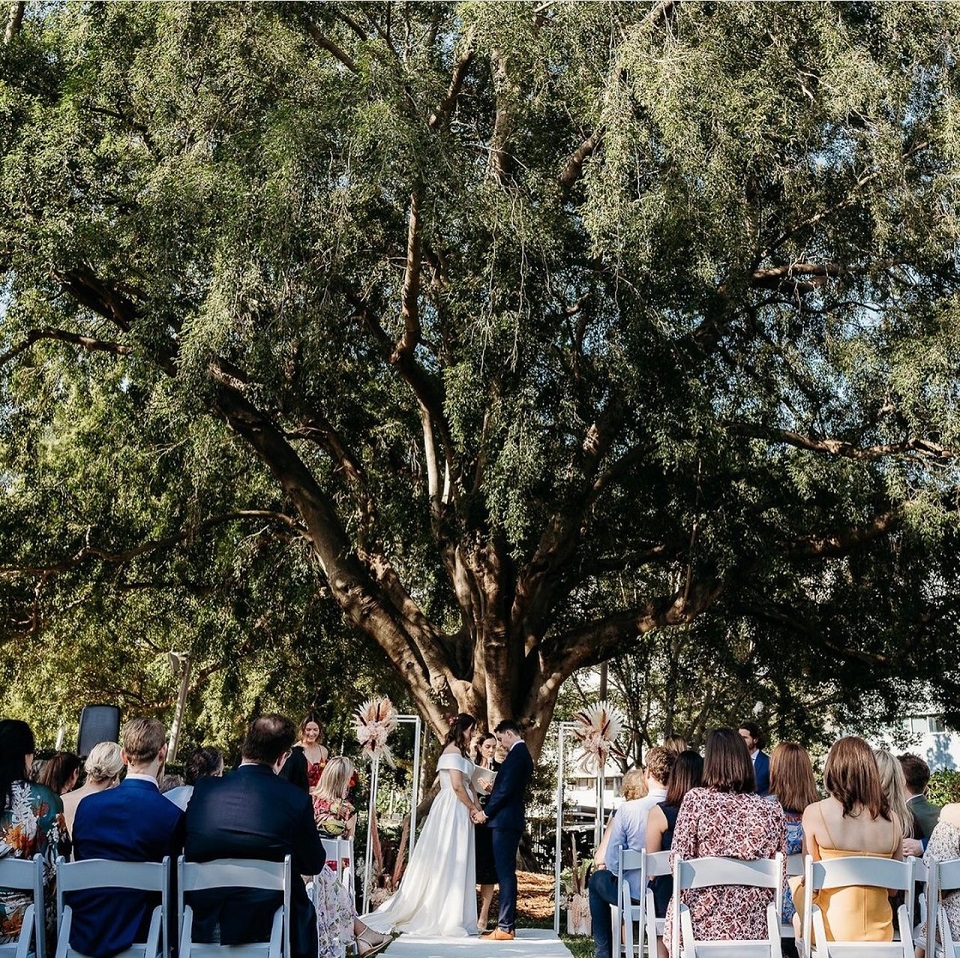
498,934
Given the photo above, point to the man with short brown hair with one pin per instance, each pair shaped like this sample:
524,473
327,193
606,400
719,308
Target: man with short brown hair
130,823
252,813
925,813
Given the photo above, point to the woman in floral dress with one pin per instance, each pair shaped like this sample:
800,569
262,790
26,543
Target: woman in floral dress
726,818
31,823
336,817
944,845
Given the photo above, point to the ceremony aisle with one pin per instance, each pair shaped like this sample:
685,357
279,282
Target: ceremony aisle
529,943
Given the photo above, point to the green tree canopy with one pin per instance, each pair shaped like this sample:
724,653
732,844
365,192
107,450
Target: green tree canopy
511,333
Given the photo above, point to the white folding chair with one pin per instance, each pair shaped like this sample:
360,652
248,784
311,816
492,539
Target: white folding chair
625,912
704,872
26,875
794,870
233,873
340,850
866,871
944,877
920,890
100,874
657,864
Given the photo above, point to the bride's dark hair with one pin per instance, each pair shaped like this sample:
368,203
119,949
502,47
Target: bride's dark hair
457,735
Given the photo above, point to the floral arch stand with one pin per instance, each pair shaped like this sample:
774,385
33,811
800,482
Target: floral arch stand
594,730
375,721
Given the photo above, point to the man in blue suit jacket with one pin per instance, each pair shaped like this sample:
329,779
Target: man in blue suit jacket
504,816
253,813
751,735
130,823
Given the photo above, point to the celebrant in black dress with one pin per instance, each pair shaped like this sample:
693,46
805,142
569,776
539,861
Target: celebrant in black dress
486,871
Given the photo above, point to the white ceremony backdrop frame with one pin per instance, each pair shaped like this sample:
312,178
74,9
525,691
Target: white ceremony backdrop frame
417,724
563,730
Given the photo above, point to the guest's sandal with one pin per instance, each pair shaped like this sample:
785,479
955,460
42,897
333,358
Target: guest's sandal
370,943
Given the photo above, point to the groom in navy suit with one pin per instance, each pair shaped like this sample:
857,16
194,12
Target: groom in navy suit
504,817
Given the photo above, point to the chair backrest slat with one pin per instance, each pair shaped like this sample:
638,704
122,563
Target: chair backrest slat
862,870
630,860
948,875
232,873
658,864
700,872
101,873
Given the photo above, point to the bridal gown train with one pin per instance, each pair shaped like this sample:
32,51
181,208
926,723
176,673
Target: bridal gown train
437,895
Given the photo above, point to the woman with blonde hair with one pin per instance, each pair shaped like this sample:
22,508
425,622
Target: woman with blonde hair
335,816
894,785
633,785
337,921
854,819
102,768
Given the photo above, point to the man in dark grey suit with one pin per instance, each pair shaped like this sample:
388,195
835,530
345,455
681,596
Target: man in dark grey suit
925,813
251,813
504,816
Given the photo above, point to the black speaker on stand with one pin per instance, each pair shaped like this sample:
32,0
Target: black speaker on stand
98,723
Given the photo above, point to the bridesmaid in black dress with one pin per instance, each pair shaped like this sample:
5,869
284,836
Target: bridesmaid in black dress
486,872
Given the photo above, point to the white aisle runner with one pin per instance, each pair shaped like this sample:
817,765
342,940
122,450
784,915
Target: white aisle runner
529,943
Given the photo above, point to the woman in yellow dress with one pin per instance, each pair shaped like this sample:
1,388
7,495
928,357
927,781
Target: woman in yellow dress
854,820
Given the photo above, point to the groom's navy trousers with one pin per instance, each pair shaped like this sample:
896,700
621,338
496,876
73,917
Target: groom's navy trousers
504,811
505,845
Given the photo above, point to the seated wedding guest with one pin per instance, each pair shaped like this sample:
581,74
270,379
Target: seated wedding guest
854,819
629,830
337,921
252,813
894,786
726,817
675,743
686,774
633,785
102,770
752,736
201,763
308,755
130,823
916,772
169,782
944,845
793,786
31,823
60,773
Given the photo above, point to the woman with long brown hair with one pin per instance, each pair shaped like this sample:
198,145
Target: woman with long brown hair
854,819
437,896
792,785
725,817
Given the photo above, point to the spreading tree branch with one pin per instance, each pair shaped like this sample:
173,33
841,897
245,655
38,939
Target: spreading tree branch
14,21
153,545
848,450
410,295
847,541
327,44
64,336
444,110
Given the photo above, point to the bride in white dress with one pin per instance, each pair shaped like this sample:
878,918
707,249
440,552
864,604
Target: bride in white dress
438,892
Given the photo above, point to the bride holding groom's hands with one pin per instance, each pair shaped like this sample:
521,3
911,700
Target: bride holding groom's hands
437,897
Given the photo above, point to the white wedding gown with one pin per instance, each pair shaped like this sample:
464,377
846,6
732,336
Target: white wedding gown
438,893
